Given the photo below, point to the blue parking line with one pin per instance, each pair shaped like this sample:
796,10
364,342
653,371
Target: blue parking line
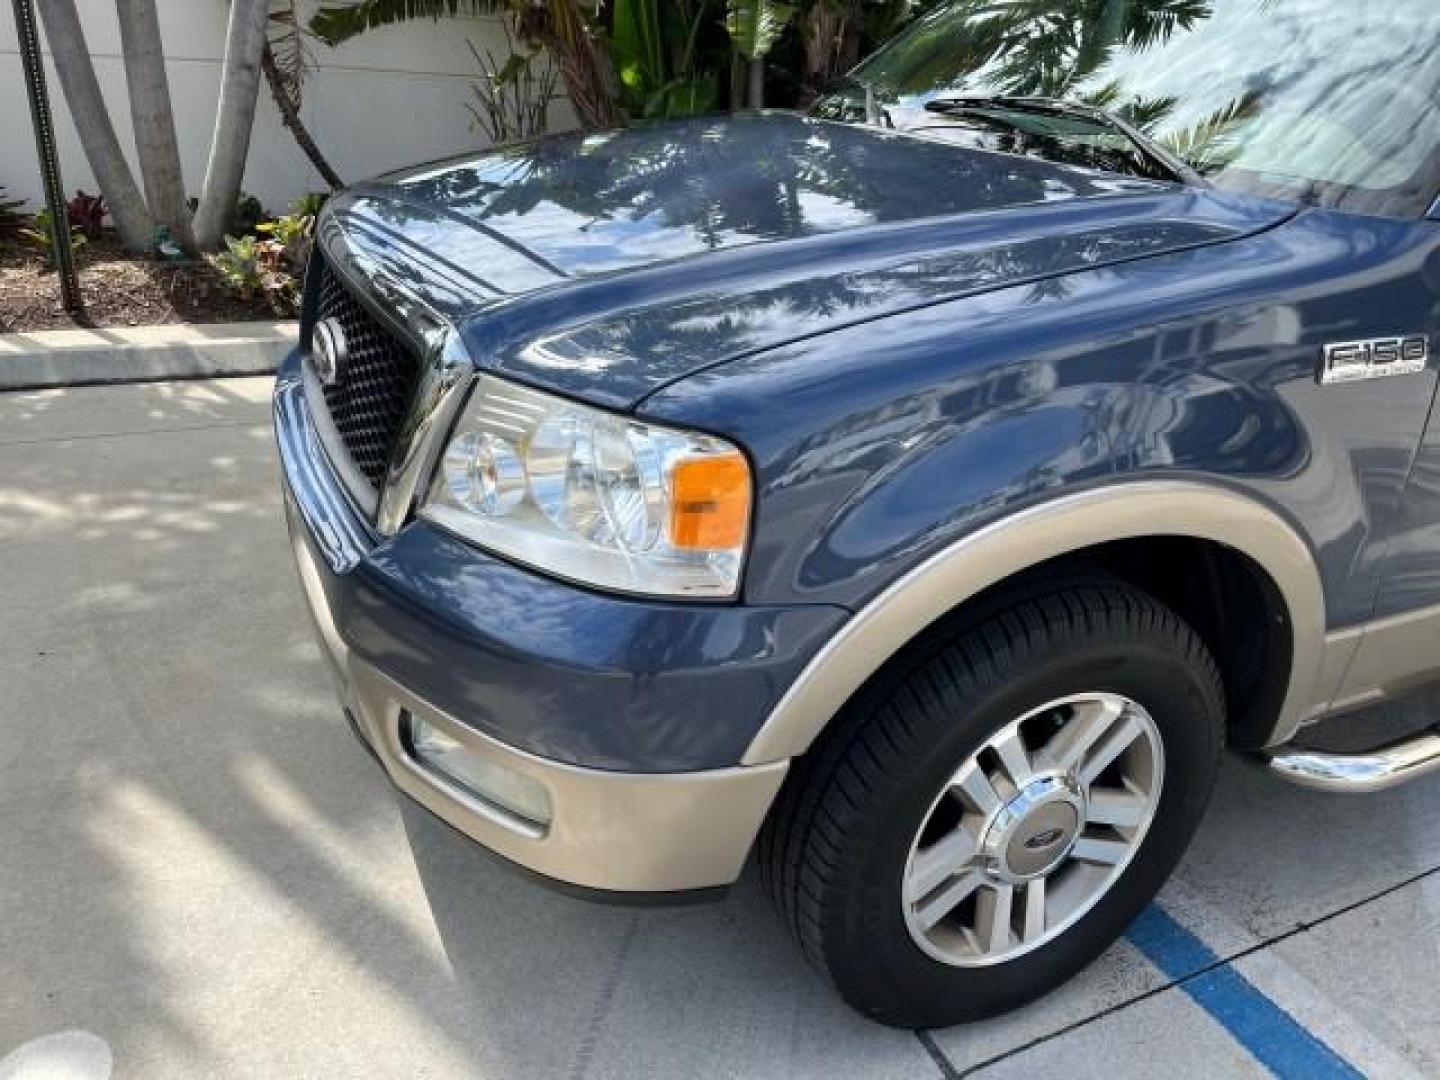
1270,1034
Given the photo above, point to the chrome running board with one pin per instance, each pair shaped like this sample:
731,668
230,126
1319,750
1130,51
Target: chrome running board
1374,770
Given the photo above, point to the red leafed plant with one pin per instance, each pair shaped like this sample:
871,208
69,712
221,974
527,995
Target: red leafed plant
87,213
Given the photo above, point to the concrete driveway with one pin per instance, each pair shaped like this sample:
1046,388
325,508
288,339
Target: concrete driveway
201,873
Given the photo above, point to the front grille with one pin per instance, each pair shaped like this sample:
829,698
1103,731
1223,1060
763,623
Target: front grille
376,382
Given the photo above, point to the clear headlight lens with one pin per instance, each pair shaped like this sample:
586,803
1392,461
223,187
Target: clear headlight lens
594,496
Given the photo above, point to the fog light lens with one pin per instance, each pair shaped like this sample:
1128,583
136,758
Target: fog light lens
511,791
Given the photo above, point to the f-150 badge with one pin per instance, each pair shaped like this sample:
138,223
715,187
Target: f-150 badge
1351,361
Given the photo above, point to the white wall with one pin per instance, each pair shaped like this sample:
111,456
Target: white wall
391,97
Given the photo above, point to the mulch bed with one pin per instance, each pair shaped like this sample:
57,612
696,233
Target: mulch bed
118,289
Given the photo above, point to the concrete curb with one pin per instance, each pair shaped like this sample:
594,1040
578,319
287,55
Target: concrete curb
53,358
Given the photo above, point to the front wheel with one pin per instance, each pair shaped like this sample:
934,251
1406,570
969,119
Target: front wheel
991,814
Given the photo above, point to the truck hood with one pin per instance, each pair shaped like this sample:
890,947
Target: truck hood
607,266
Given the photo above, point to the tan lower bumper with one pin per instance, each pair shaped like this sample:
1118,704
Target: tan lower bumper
612,831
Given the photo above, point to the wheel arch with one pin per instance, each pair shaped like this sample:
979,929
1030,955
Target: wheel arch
1267,546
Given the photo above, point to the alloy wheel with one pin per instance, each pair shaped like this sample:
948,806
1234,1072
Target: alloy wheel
1033,829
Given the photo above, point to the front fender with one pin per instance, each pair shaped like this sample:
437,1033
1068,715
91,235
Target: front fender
909,462
1052,528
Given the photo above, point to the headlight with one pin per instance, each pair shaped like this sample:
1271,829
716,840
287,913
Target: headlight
594,496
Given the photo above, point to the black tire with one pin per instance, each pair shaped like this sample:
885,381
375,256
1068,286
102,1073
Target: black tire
834,850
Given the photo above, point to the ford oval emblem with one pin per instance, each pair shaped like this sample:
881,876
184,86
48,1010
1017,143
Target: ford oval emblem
1043,839
329,351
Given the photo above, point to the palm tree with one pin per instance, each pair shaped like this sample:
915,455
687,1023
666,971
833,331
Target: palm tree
134,214
92,120
154,120
234,120
558,26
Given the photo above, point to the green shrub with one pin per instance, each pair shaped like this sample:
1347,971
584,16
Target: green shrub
292,232
39,236
250,268
239,266
309,205
269,264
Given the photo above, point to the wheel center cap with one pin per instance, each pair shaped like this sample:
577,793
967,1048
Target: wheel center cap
1034,831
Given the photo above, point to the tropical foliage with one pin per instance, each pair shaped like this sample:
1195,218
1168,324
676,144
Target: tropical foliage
658,48
1211,142
1042,47
1060,48
39,236
557,26
755,27
512,99
651,59
269,263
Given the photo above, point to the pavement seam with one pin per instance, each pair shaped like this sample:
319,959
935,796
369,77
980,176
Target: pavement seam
1317,1009
585,1052
953,1073
1264,1027
937,1055
87,436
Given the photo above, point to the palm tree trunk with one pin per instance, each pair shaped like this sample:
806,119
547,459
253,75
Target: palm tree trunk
817,34
234,120
153,118
92,121
290,117
755,95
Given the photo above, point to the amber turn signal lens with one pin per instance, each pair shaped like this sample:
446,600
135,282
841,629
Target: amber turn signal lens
710,507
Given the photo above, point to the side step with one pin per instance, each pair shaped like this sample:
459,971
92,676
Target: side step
1374,770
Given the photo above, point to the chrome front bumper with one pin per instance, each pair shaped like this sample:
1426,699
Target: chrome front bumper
617,832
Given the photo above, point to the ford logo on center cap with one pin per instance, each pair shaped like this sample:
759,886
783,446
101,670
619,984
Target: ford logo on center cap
329,351
1044,839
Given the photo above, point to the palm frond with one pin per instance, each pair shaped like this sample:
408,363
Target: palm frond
755,25
1153,23
336,23
290,45
1211,142
1141,112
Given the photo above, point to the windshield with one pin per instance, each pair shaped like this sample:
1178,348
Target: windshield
1334,102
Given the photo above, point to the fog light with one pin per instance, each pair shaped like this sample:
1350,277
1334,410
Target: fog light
513,792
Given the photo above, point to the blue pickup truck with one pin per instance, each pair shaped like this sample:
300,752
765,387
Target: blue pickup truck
915,494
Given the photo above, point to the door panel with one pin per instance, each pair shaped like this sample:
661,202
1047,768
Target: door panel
1400,646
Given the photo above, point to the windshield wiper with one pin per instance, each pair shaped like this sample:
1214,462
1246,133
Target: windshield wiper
1048,106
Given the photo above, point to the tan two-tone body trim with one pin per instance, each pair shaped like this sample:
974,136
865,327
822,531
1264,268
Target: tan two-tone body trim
1007,547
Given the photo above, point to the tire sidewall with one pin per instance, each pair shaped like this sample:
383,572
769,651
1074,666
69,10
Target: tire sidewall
1182,703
